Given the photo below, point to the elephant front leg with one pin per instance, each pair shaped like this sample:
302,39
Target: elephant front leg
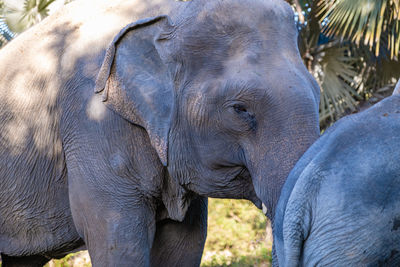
181,243
123,241
120,238
117,231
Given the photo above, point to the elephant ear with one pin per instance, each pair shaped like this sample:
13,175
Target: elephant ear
136,83
397,88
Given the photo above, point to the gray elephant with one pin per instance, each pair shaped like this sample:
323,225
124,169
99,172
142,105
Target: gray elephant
193,99
340,205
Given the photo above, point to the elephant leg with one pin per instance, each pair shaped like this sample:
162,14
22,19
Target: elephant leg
118,227
127,242
181,243
119,236
24,261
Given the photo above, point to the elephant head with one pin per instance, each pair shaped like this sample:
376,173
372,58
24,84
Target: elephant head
222,92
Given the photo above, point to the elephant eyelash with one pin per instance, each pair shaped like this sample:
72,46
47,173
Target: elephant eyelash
239,108
246,116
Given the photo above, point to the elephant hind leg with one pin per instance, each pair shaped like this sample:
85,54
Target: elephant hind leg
24,261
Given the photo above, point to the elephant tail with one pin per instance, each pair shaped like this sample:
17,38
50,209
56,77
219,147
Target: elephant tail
295,233
297,222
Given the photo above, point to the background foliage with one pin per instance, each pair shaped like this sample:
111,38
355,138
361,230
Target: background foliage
352,49
236,235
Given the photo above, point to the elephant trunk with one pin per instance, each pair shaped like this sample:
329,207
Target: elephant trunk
271,163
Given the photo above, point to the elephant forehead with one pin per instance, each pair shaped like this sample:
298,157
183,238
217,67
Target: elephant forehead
230,86
249,12
229,37
247,64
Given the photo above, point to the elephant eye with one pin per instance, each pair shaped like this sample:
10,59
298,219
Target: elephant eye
239,108
247,118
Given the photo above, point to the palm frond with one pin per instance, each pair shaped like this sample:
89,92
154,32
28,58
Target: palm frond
35,11
376,74
363,21
21,17
335,72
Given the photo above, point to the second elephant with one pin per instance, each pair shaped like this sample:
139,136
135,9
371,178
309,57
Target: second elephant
341,203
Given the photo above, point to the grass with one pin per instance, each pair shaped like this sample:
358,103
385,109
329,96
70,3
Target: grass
79,259
236,237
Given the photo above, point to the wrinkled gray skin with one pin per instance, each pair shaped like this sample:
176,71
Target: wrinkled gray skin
340,205
193,100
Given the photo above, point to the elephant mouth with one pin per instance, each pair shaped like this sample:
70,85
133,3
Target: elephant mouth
249,192
238,184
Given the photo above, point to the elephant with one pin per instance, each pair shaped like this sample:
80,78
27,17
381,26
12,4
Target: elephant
119,118
340,205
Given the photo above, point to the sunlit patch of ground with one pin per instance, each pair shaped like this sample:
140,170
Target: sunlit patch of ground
237,235
79,259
